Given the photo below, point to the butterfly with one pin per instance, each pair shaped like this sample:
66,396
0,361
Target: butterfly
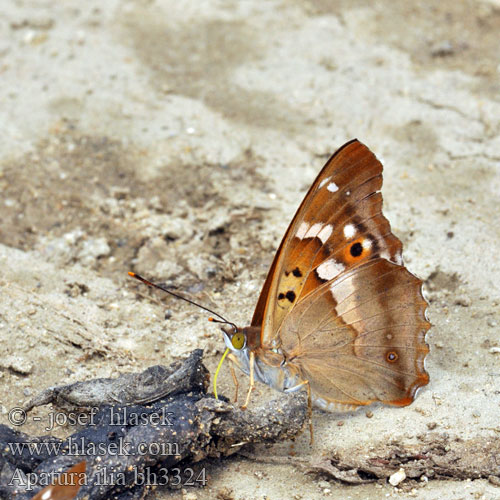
338,311
66,486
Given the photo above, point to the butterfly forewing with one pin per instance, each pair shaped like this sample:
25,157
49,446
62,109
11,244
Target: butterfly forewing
339,225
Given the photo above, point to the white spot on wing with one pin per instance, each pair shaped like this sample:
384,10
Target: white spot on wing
302,230
325,233
332,187
349,231
367,244
323,182
329,269
314,230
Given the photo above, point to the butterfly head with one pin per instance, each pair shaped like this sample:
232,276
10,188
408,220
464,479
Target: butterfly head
234,338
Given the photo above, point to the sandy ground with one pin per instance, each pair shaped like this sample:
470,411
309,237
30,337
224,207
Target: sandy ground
177,139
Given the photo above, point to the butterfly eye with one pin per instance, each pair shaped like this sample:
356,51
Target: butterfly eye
238,341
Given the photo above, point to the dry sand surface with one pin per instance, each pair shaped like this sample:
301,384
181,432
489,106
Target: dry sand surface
176,139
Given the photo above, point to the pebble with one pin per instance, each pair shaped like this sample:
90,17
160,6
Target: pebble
442,49
495,480
17,364
463,301
398,477
494,350
92,249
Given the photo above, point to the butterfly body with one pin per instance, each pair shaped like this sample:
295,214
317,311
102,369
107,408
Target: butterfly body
338,310
269,368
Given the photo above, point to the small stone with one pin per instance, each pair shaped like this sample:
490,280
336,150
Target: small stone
225,493
491,322
494,350
369,414
93,249
17,364
120,192
431,425
495,480
463,301
398,477
442,49
27,391
323,484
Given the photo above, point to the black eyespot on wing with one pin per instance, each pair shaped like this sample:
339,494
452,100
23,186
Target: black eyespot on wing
281,296
356,249
290,295
296,272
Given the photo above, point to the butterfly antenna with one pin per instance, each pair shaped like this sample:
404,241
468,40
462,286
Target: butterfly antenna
160,287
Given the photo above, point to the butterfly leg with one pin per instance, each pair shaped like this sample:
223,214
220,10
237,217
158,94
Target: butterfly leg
306,384
235,380
252,379
234,362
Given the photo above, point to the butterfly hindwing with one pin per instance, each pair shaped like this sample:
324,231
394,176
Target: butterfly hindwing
361,337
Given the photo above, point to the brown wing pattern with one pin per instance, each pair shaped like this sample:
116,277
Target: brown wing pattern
361,338
338,226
